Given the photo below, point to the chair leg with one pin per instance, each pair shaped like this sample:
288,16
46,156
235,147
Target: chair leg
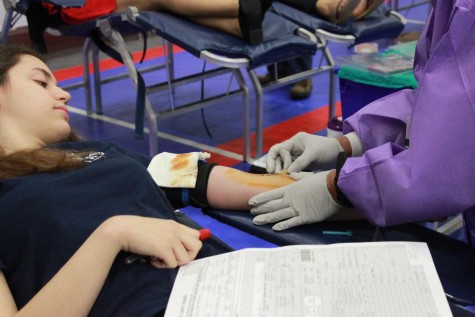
259,130
331,93
170,73
97,79
87,76
171,62
7,24
246,115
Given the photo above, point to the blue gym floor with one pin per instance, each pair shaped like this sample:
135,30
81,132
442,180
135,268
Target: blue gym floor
223,120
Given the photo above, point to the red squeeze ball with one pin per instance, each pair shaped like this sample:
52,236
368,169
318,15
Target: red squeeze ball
204,234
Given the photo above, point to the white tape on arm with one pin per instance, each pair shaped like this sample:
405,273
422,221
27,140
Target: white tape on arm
176,170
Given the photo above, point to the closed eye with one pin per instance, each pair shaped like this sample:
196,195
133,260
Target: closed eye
42,83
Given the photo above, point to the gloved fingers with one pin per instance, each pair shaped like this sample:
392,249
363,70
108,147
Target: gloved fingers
278,165
276,216
268,207
300,175
272,157
266,197
289,223
301,162
285,152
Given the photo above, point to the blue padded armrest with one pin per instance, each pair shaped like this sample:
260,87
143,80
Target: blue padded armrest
362,230
280,42
378,25
22,5
453,259
65,3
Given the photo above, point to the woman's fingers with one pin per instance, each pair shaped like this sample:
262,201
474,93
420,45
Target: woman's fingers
167,262
166,243
187,247
183,248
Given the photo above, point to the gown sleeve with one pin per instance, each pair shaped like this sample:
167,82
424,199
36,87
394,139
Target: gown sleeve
434,177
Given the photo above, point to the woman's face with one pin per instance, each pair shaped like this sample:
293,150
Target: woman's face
32,106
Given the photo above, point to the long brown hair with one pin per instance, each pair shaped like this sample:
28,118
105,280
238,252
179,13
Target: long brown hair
38,160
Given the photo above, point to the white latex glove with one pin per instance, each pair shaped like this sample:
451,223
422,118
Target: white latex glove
301,151
305,201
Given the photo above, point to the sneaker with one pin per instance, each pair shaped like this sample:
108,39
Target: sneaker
301,89
265,79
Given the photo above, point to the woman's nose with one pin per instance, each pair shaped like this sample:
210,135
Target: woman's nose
63,95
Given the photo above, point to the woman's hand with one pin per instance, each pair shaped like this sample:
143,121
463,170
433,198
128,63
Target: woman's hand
168,243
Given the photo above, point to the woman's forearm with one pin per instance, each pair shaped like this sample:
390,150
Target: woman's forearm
231,189
7,304
74,289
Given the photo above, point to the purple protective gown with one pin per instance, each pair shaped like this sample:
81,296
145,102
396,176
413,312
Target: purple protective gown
435,176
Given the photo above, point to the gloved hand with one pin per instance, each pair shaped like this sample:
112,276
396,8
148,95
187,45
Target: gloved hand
305,201
300,151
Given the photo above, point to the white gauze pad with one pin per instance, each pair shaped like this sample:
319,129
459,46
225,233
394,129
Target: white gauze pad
176,170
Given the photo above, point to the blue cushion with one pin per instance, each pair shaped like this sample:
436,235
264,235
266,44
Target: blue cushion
280,42
63,3
378,25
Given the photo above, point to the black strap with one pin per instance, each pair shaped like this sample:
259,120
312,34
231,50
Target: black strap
141,88
38,20
340,196
196,197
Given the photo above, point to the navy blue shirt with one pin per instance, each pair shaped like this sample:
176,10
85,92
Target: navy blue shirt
44,219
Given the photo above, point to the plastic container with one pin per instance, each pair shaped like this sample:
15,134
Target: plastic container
355,96
367,77
382,64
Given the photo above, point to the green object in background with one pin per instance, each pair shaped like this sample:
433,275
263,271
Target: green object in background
360,67
405,49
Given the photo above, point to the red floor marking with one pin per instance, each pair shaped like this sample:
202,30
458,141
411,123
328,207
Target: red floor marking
105,64
310,122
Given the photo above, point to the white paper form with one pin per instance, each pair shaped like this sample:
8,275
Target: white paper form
352,279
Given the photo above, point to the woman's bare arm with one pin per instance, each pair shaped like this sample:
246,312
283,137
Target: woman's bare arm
74,289
231,189
7,304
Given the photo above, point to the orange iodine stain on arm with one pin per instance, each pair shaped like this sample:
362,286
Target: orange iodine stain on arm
261,181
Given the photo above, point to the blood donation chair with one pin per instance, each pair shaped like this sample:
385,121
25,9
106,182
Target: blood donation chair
282,40
383,23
